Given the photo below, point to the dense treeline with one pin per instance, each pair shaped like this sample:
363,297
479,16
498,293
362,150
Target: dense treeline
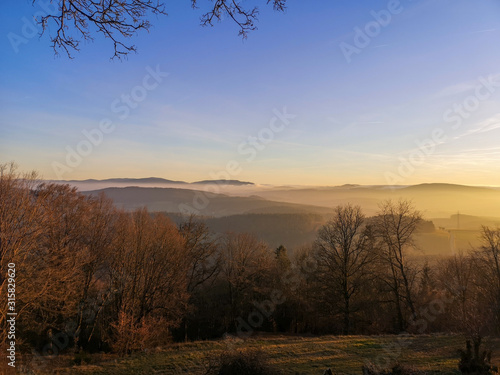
92,277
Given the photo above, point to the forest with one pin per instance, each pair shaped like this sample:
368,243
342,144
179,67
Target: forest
94,278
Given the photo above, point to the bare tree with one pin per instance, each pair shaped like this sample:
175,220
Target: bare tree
115,20
202,251
395,225
488,278
343,255
301,289
491,251
245,271
456,276
79,20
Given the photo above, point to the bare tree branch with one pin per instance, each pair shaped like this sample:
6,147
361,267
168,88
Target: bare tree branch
118,20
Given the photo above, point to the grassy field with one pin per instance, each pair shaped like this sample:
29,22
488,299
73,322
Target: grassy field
436,354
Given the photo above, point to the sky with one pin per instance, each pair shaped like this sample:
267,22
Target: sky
327,93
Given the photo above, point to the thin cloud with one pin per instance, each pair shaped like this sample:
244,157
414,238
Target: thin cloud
461,87
479,31
491,124
456,89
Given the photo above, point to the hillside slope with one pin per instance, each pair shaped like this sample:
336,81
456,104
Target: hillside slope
209,204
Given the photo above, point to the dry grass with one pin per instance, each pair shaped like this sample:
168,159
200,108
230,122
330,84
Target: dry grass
435,354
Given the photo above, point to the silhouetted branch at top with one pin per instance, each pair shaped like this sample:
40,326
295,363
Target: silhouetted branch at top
80,20
244,18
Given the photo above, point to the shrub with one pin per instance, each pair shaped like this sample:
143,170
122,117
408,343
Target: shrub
398,369
474,361
241,362
130,336
82,357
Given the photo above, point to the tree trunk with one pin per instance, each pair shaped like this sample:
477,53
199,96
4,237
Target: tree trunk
346,312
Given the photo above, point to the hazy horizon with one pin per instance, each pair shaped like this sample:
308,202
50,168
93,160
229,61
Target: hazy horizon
261,183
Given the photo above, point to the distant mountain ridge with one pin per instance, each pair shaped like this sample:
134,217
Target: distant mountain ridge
224,182
157,180
160,180
446,187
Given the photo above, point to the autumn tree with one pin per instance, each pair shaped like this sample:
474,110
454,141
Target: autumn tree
282,259
150,270
58,269
21,228
56,237
99,233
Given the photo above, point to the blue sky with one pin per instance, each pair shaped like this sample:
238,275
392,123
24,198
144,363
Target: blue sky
355,122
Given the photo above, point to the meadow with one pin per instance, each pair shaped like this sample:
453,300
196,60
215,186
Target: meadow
433,354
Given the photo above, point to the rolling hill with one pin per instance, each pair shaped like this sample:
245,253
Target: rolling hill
200,202
291,216
434,200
